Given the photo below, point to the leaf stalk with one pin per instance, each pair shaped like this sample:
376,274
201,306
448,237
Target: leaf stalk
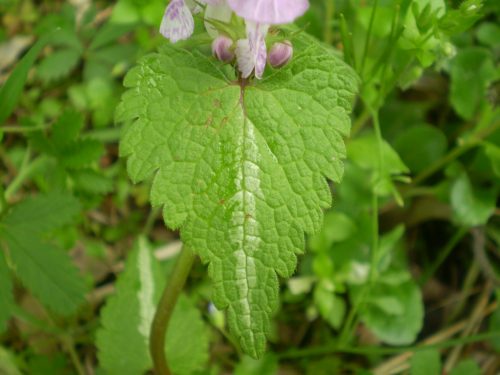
165,309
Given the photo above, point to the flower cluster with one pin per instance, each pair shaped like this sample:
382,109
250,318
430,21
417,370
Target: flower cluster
251,52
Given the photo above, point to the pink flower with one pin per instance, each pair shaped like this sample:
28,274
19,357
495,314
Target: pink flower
269,11
280,54
251,53
177,23
221,48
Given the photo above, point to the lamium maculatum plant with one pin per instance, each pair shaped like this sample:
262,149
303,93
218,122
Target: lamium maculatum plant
239,151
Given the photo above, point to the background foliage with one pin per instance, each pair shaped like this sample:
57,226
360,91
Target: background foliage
402,277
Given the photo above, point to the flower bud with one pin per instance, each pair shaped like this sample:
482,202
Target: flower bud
280,54
221,48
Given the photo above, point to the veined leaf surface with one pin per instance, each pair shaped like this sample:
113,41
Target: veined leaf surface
239,167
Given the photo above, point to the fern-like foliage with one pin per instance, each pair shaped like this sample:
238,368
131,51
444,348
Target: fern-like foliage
239,167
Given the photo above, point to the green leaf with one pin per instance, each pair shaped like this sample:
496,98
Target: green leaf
471,206
8,364
42,268
488,33
81,153
395,324
191,355
472,71
331,307
90,181
42,213
240,170
109,33
67,128
337,227
426,362
45,271
58,65
466,367
123,337
419,146
125,12
363,151
493,153
267,365
6,296
11,91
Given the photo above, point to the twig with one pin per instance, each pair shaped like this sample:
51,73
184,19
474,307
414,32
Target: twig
471,325
480,256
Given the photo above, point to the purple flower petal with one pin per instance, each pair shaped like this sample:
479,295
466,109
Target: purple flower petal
269,11
280,54
251,53
177,23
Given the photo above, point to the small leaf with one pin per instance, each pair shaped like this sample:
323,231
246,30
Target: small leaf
11,91
363,152
426,362
45,271
471,206
81,153
6,296
419,146
58,65
123,339
387,304
337,227
43,213
67,128
331,307
109,33
466,367
90,181
399,329
472,71
493,153
488,33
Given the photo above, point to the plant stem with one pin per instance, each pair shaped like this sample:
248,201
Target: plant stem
375,224
455,153
150,222
368,37
443,254
70,348
165,309
329,14
360,122
21,129
18,180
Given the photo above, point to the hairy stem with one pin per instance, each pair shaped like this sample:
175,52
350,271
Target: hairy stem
165,309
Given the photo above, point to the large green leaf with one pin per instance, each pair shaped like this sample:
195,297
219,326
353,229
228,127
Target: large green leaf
240,168
126,320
